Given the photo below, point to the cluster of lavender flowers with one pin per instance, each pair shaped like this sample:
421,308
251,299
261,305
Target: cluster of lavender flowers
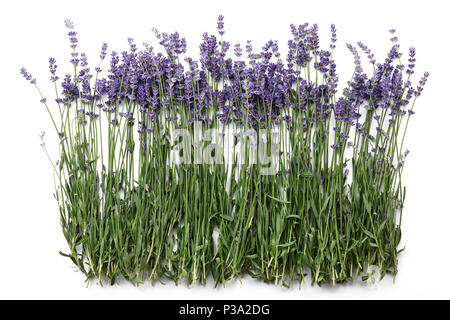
277,226
263,86
156,81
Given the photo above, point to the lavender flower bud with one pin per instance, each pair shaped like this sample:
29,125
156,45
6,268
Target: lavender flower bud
27,75
333,37
220,25
103,52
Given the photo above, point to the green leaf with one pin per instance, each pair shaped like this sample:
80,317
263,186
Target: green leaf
306,174
380,229
228,218
313,206
293,216
198,248
286,244
279,200
367,204
373,245
324,206
370,234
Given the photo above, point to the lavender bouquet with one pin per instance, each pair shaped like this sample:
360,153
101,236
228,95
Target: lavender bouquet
238,163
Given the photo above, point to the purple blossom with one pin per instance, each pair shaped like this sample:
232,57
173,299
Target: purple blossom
333,37
220,25
411,60
69,24
357,59
27,75
52,67
368,52
233,87
103,51
422,83
237,50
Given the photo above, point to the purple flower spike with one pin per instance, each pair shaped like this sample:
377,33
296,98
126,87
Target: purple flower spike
368,52
411,60
103,52
394,39
220,25
333,37
27,75
69,24
422,83
249,47
72,34
357,59
237,50
52,68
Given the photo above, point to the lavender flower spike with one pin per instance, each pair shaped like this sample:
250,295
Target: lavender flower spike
27,75
69,24
103,52
52,67
333,37
220,25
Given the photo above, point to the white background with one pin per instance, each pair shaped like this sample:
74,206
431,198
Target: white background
33,31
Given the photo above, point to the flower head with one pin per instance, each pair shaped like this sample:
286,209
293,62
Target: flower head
237,50
69,24
411,60
103,52
422,83
357,59
27,75
52,67
72,34
368,52
333,37
220,25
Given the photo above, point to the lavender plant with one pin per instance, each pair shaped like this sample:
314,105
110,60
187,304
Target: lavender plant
331,208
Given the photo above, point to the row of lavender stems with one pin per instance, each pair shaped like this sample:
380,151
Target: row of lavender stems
121,207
